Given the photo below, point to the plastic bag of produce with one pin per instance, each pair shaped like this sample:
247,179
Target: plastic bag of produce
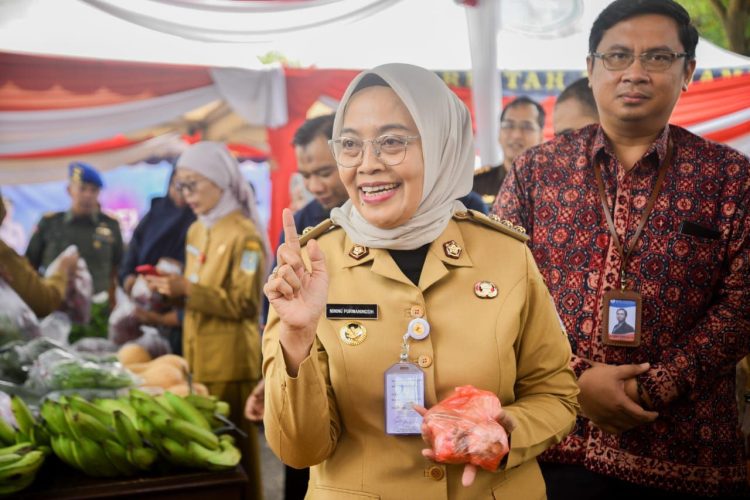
463,428
79,291
147,299
141,294
95,345
153,342
58,369
56,326
17,320
6,413
123,324
12,368
98,321
17,357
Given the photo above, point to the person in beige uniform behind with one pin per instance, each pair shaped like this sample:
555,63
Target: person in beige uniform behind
225,257
401,250
42,295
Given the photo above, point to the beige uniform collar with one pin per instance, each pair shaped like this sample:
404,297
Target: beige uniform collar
436,266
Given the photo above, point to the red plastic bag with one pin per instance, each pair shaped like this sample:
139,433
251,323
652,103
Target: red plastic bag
463,428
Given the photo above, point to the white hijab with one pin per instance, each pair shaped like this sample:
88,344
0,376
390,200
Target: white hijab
444,126
213,161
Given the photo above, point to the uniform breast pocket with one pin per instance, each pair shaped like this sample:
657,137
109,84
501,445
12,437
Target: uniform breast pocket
694,260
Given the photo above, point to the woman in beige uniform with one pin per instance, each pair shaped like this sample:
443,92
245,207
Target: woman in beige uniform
42,295
225,257
399,251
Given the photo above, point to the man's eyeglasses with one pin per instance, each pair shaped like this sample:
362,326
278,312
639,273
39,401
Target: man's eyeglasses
188,186
525,127
655,60
389,149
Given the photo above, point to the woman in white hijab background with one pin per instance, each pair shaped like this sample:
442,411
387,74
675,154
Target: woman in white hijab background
225,256
403,256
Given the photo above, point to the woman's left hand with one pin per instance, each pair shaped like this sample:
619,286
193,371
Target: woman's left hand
172,285
470,470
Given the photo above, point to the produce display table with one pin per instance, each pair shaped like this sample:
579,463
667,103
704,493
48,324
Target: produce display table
59,482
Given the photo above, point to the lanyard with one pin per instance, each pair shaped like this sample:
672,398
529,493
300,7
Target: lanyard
625,252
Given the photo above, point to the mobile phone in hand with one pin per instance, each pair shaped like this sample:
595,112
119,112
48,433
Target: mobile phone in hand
147,270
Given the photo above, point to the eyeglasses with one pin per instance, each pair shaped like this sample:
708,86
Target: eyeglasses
188,186
656,60
389,149
525,127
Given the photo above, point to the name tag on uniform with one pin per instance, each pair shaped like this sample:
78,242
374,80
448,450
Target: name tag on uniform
351,311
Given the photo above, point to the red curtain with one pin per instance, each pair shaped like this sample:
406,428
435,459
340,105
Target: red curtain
303,88
29,83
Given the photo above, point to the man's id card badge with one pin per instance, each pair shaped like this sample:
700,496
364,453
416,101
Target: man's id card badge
404,387
621,318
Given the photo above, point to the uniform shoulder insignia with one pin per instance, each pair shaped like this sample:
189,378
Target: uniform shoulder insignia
48,215
317,231
482,170
493,221
250,259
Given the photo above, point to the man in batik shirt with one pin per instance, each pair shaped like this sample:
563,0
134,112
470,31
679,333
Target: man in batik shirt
659,417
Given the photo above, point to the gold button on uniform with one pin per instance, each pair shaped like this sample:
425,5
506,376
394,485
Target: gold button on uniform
416,311
424,361
435,472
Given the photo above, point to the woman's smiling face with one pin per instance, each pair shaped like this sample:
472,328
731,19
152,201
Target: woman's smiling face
385,196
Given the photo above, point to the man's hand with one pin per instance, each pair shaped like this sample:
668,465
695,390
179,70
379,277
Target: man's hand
172,285
146,317
127,285
68,264
605,401
255,405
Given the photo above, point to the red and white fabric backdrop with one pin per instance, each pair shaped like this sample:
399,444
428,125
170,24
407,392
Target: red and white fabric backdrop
54,110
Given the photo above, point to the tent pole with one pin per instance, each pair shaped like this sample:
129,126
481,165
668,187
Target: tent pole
483,22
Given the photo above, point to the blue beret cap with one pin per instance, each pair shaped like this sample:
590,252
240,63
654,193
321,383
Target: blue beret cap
83,172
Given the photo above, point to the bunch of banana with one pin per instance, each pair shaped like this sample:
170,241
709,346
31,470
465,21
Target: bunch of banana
19,464
23,449
99,441
29,430
182,433
213,410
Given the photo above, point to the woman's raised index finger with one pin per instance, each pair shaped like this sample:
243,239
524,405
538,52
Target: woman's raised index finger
290,230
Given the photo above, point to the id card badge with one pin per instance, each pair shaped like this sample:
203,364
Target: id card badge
404,387
621,318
